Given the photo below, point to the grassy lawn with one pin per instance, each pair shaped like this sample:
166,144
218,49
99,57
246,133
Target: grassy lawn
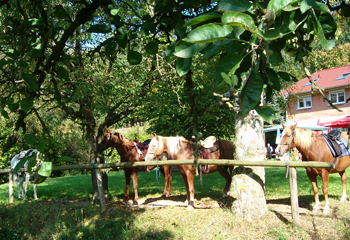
64,211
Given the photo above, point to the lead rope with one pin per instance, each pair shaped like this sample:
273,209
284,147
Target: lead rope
289,157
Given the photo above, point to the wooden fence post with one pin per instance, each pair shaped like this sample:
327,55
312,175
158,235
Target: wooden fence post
10,187
294,196
100,189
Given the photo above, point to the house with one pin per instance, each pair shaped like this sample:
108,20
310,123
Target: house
308,107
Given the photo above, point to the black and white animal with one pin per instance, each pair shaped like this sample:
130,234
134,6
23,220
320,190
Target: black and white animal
19,177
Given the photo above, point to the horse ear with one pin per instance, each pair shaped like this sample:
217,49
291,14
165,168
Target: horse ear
295,125
284,126
107,129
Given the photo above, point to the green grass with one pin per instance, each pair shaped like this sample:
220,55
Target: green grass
64,211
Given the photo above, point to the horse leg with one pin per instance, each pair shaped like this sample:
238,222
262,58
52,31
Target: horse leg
325,180
167,172
227,176
26,187
190,178
134,184
184,176
15,178
313,179
127,175
35,194
344,180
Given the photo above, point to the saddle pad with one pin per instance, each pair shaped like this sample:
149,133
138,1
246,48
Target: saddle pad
343,144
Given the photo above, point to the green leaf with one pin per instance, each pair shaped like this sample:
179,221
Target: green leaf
134,57
99,28
279,4
152,47
227,79
63,74
60,12
20,164
234,5
202,18
239,19
287,77
31,81
183,65
226,64
65,159
45,169
13,106
273,78
27,104
40,145
267,113
209,33
210,50
326,44
31,162
190,51
30,139
251,92
5,114
170,49
115,11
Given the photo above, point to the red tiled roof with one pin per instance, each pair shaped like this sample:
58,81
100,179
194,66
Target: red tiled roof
327,79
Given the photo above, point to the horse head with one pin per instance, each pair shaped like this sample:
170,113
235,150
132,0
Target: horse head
155,148
106,141
287,139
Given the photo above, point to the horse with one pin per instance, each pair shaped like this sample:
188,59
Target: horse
128,152
179,148
19,176
314,148
165,170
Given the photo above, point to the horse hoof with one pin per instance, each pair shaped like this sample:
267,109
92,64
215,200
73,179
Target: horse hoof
315,210
190,205
326,212
186,202
342,200
135,203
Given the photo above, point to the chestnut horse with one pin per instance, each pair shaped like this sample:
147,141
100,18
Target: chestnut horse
179,148
314,148
128,152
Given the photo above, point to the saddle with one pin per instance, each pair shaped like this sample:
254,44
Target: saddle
335,142
209,145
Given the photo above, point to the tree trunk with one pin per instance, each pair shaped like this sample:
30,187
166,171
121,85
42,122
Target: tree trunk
100,159
248,183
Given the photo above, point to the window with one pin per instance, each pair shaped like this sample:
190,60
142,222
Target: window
304,102
337,97
343,76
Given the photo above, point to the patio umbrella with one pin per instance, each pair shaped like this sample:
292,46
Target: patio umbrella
338,123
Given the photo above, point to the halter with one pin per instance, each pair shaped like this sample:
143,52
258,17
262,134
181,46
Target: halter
287,162
155,156
105,148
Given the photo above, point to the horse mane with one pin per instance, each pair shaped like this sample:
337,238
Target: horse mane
174,144
305,137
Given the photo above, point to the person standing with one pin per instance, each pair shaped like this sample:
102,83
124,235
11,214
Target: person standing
269,151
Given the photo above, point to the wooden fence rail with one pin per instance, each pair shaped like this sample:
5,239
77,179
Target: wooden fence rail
290,164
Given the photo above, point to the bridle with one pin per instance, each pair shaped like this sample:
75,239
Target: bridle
290,143
154,153
105,145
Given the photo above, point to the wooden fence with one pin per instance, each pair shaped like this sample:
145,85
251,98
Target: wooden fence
290,164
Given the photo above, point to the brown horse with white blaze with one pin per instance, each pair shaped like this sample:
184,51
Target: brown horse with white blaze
314,148
177,148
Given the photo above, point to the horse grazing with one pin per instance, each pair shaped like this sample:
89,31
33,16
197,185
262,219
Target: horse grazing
19,176
314,148
128,152
178,148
